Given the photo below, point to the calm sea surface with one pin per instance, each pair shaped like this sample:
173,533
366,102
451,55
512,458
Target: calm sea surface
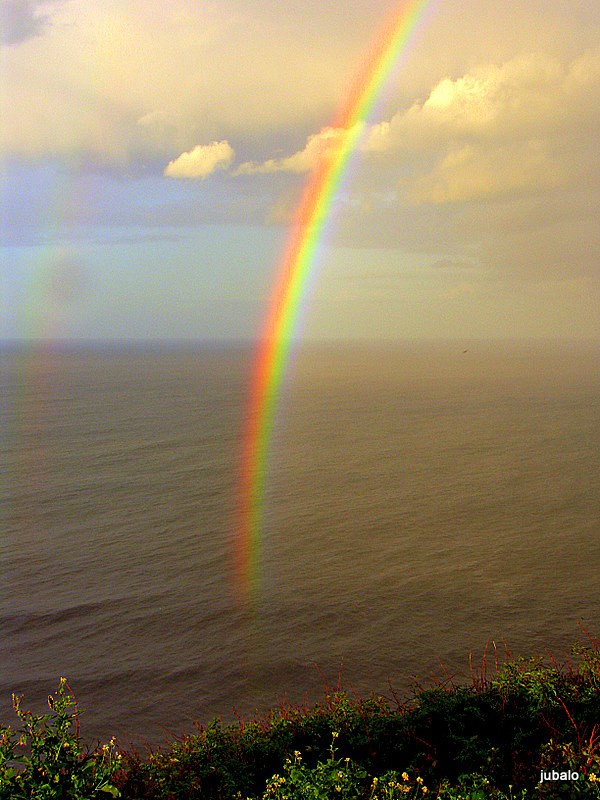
422,500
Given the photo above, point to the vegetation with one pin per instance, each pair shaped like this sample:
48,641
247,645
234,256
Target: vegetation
530,731
44,759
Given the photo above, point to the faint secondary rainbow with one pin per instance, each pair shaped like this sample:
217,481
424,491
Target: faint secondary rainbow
293,277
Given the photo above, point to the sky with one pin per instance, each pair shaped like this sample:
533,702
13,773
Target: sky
152,155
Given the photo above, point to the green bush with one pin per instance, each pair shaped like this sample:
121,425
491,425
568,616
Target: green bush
487,741
44,759
339,778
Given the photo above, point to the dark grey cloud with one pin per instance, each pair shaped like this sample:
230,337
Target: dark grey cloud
21,20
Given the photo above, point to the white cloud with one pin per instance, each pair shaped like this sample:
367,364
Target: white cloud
319,146
201,162
496,130
531,95
118,82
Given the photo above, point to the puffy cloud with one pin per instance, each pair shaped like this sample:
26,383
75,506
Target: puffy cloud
202,161
318,147
120,82
525,96
496,130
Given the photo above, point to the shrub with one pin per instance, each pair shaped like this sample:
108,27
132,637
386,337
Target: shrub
493,740
339,778
44,759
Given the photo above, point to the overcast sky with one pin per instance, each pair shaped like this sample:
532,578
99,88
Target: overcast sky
153,153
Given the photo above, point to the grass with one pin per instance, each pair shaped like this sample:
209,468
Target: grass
525,732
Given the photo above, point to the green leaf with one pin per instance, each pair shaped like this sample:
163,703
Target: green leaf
9,773
108,788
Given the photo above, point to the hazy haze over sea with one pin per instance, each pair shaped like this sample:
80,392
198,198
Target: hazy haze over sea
422,499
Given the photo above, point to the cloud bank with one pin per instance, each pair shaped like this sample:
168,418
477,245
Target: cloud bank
496,130
132,83
133,127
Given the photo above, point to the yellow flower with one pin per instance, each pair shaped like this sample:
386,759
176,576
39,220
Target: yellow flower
419,779
405,776
424,789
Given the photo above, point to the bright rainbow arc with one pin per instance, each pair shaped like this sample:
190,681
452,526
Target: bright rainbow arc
292,281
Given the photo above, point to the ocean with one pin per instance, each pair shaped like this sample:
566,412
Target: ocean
423,499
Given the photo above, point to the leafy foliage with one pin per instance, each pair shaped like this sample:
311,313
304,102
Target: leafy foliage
44,759
492,740
340,778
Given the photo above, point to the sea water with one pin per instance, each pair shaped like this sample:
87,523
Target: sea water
422,500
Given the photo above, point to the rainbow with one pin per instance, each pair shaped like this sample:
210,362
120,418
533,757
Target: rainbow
293,277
